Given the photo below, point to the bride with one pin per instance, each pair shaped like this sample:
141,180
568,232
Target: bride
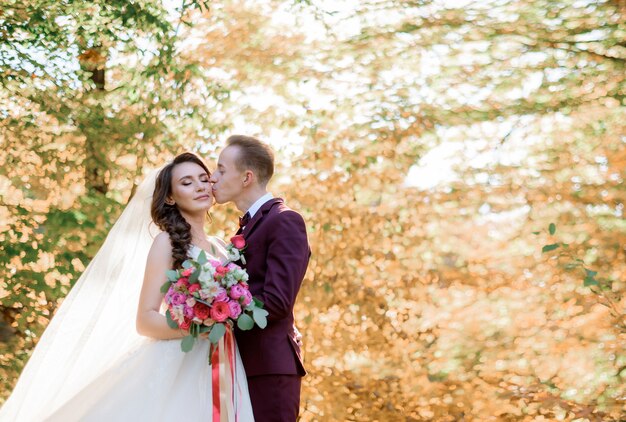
109,354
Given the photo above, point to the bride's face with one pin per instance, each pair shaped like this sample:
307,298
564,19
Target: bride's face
191,188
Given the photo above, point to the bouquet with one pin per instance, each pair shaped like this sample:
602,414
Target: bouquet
207,295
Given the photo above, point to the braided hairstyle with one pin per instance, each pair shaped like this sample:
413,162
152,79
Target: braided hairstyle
167,217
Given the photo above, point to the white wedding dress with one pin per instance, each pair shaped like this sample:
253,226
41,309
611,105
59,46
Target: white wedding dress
91,365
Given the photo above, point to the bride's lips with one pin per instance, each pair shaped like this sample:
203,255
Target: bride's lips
203,197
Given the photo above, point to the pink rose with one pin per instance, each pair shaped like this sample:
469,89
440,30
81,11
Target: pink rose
221,295
234,308
194,287
237,291
246,298
221,270
238,241
178,298
201,310
168,296
188,272
220,311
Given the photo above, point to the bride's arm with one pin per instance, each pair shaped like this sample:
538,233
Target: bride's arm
150,322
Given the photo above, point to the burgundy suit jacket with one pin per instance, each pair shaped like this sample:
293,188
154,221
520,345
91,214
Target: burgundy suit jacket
277,255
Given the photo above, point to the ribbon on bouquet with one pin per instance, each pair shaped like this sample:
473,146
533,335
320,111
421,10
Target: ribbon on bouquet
223,378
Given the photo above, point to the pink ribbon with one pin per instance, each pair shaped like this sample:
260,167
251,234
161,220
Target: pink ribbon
223,374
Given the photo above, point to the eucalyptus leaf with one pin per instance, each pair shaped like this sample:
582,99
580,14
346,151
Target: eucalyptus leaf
202,259
187,343
194,276
245,322
172,275
552,228
170,321
165,287
217,332
258,303
260,317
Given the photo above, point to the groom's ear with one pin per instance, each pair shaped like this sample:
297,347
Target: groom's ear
249,178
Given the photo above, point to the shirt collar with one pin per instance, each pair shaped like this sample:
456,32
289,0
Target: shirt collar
259,203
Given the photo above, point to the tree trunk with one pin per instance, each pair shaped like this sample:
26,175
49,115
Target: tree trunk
96,161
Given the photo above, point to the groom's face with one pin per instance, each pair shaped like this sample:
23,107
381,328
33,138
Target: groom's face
228,181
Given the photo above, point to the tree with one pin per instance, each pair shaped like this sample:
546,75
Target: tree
429,303
94,92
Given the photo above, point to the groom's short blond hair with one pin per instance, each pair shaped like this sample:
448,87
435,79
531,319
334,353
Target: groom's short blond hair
253,155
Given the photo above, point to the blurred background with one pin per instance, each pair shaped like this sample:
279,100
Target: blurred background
460,165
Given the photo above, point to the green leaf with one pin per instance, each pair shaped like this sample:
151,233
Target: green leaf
187,344
187,264
590,281
194,276
590,273
245,322
260,317
202,259
258,303
536,232
172,275
170,321
165,287
552,228
548,248
217,332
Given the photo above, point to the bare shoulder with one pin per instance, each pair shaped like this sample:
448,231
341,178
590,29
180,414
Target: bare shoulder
161,246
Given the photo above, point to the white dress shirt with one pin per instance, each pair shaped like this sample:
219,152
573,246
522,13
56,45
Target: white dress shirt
259,203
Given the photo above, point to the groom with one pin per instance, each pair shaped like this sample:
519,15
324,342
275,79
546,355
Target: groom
277,255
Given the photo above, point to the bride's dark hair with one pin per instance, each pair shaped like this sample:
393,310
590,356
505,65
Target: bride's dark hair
167,217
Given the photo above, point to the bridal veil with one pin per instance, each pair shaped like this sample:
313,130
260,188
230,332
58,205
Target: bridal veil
94,328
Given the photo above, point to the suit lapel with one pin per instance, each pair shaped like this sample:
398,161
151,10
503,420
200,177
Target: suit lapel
258,216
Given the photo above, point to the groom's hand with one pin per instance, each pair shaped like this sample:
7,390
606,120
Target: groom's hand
298,337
